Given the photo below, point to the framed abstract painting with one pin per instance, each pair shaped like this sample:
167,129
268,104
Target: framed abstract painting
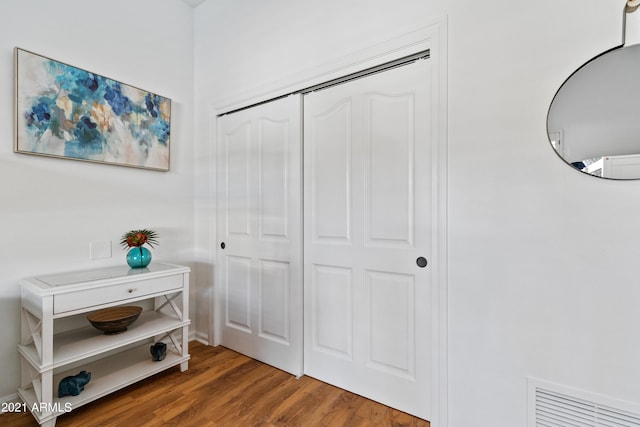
66,112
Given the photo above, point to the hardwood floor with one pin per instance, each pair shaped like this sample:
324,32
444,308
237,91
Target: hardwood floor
224,388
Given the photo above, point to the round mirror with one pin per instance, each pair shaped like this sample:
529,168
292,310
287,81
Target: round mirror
594,118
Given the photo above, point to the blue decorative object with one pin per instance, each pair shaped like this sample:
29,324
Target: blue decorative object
73,385
138,257
158,351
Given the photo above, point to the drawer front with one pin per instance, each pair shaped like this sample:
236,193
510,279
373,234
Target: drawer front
114,293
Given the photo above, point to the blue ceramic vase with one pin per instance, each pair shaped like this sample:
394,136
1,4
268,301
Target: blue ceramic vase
138,257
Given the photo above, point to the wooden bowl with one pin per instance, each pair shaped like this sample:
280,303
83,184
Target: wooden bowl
114,320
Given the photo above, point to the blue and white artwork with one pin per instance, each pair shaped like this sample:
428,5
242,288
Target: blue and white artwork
63,111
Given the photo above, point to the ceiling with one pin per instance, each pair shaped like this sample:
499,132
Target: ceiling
194,3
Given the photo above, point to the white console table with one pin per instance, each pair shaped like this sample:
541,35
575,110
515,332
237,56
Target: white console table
115,361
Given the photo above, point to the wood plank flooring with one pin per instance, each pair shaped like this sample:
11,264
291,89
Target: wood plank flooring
224,388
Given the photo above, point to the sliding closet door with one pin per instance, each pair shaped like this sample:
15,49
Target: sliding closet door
367,237
259,232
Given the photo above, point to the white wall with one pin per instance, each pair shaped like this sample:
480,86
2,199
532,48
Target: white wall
543,259
50,209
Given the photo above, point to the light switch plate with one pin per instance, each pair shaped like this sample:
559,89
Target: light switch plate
100,249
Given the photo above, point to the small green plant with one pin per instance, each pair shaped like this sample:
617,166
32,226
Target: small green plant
137,238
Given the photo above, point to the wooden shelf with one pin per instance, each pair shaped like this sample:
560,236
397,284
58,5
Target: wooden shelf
135,364
78,344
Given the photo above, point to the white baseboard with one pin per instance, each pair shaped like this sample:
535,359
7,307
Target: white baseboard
10,398
201,337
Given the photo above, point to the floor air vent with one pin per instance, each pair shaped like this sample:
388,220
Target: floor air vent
552,405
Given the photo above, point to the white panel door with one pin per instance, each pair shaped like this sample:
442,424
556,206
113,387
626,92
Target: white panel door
260,232
367,206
